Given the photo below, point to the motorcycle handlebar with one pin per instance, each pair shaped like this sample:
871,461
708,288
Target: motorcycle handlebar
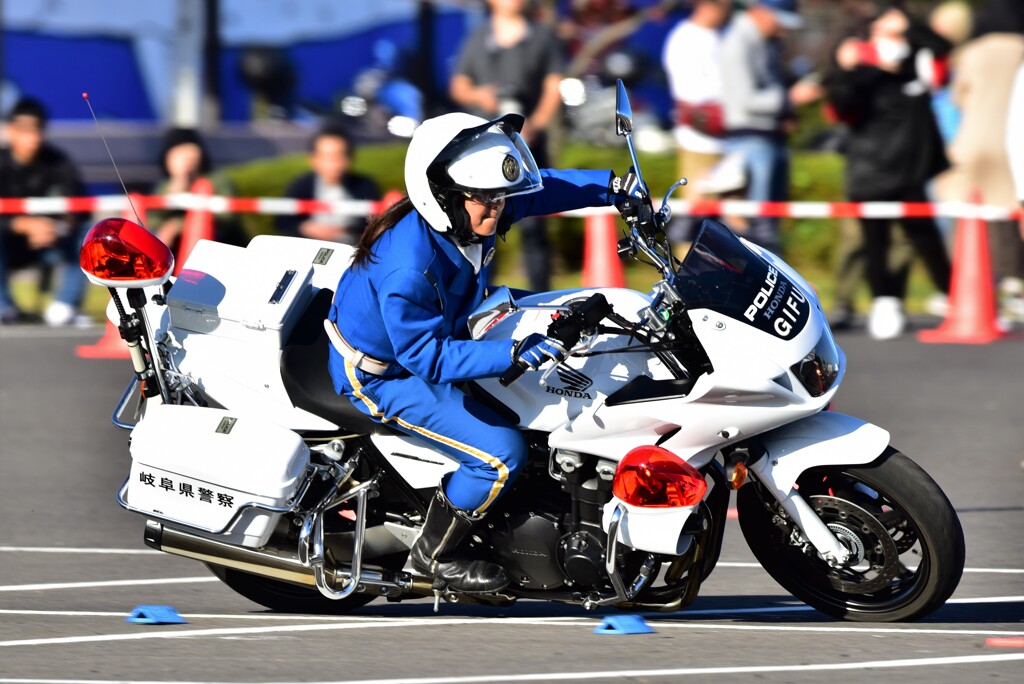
513,373
567,329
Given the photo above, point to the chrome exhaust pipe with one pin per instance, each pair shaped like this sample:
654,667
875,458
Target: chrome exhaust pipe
275,563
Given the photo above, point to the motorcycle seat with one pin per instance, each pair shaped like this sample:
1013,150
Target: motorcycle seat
305,375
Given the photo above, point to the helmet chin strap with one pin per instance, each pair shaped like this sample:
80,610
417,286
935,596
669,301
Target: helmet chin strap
461,231
504,224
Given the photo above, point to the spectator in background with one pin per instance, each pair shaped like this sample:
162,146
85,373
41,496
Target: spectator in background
1015,137
513,65
982,80
30,167
330,157
183,160
759,107
953,21
1015,143
691,59
894,149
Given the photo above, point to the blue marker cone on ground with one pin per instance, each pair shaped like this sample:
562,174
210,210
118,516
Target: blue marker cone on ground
624,624
155,615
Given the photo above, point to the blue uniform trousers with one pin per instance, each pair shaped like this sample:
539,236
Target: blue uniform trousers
491,450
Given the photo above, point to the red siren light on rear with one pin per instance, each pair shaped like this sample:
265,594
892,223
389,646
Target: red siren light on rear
119,253
652,477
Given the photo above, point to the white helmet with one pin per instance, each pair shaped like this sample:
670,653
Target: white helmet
456,155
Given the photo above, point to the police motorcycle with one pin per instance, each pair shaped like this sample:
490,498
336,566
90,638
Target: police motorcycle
718,379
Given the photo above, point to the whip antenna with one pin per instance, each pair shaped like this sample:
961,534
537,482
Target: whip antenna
85,96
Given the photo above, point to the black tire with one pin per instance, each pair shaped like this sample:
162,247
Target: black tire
902,528
284,597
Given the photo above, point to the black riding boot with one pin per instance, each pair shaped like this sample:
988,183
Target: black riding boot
436,552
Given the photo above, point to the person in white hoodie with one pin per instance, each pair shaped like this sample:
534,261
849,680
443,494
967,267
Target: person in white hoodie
691,58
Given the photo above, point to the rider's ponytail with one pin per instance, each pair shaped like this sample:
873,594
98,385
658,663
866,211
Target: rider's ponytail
385,221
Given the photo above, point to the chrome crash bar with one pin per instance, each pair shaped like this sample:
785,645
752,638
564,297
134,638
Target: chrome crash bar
622,593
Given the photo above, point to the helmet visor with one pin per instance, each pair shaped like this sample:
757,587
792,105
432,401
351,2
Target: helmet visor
488,161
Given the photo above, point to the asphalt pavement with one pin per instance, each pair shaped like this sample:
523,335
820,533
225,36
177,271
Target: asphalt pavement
73,565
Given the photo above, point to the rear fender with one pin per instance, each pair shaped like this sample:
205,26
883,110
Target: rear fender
826,438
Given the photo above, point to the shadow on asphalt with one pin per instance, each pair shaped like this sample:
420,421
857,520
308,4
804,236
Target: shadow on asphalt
730,608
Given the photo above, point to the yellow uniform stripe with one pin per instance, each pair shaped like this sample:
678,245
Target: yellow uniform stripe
357,389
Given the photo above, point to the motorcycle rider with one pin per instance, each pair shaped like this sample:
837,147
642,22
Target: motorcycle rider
398,323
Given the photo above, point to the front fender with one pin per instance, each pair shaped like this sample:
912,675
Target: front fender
826,438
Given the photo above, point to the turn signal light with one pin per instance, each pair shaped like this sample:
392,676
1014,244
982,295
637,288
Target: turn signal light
737,475
119,253
652,477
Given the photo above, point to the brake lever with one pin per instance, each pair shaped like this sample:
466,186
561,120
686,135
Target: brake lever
582,347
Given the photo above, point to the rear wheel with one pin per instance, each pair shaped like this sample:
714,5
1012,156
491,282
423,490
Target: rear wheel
905,540
285,597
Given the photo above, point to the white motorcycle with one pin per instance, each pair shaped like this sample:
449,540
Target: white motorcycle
719,379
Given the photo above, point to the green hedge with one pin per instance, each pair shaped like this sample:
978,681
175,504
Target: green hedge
808,243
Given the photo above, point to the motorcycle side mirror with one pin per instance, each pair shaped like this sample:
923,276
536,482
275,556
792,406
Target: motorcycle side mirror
623,112
624,127
491,311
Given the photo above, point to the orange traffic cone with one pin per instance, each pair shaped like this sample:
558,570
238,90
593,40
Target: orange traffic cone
111,346
198,224
601,264
972,301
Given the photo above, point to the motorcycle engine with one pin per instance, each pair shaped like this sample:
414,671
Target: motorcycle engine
581,554
524,544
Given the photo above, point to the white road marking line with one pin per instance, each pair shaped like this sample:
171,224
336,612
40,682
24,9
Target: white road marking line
795,608
786,608
204,616
1000,571
61,549
31,332
618,674
448,622
151,552
111,583
829,629
190,633
988,599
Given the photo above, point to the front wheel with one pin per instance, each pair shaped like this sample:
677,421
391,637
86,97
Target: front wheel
905,540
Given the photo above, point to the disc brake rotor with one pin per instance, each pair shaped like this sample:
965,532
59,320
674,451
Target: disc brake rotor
874,556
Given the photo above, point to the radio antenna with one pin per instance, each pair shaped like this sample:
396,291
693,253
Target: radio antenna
85,96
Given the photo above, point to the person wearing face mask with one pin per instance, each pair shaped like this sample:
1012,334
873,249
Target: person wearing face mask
878,85
398,322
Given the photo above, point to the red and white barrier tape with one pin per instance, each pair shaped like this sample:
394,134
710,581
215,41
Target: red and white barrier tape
285,206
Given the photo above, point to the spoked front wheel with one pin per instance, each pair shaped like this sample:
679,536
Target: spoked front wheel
905,541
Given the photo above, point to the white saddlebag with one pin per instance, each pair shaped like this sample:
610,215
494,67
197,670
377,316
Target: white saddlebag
252,296
202,467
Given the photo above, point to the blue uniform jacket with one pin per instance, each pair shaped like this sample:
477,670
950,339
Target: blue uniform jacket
409,307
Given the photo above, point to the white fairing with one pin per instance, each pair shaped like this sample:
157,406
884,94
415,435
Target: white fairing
547,401
418,464
827,438
655,530
752,389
